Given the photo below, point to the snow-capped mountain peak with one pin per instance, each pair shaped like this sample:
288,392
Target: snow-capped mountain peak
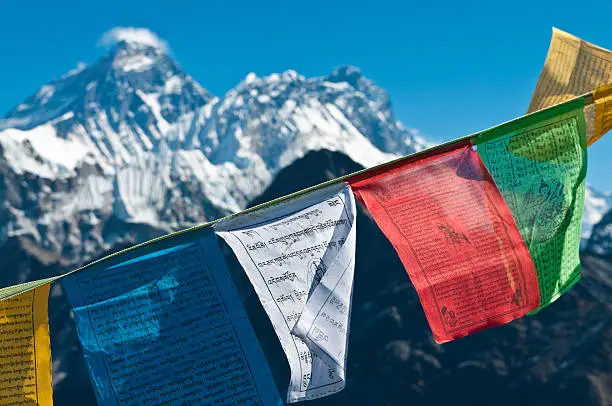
597,222
596,205
132,138
115,110
135,56
135,36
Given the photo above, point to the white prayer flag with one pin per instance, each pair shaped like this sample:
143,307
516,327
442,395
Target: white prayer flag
300,257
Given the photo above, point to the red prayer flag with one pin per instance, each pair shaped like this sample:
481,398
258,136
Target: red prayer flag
457,240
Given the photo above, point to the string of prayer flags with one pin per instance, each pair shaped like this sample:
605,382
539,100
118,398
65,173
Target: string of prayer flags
456,238
573,67
539,164
300,258
163,324
25,349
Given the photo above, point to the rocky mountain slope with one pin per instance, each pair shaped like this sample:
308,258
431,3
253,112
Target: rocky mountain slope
598,209
596,206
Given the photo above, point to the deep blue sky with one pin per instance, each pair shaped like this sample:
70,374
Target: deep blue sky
451,67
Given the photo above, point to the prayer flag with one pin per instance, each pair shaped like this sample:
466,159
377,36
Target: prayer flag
573,67
456,238
300,257
602,97
539,165
163,324
25,349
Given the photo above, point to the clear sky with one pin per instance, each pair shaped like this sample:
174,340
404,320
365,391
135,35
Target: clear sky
451,67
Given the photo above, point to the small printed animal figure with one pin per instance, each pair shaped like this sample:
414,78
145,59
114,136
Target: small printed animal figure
384,194
449,316
453,237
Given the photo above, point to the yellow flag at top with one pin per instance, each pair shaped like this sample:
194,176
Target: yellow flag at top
25,353
574,67
602,97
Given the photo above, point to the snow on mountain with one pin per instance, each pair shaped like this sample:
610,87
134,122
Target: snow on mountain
596,205
133,140
264,124
600,241
598,237
135,35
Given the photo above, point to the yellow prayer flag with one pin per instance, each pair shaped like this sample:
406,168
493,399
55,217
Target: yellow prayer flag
573,67
602,97
25,349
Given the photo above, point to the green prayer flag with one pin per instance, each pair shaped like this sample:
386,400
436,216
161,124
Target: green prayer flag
539,164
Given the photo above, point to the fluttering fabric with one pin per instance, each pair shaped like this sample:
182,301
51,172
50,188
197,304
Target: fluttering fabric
572,68
300,257
25,353
164,325
539,164
457,240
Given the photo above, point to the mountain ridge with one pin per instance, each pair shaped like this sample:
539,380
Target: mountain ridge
131,139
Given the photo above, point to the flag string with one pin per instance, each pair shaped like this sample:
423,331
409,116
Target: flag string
12,291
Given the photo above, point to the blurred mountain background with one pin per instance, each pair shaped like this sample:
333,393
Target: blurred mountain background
131,147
